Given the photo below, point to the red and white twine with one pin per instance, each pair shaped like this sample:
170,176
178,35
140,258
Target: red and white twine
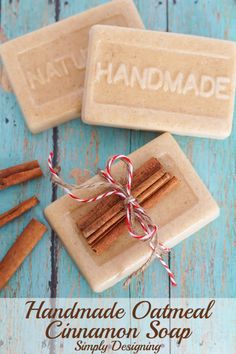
134,212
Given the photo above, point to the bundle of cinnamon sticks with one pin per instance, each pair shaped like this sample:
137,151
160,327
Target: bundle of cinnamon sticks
106,221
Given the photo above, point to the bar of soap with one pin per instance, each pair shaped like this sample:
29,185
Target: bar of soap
183,211
160,81
46,68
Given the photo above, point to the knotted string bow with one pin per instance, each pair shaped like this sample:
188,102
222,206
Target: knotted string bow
135,214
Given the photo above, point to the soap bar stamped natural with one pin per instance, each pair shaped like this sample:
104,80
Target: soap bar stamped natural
183,211
160,81
46,67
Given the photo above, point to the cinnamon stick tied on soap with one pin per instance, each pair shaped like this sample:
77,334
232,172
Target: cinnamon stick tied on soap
106,208
19,174
114,232
104,223
24,244
18,210
118,212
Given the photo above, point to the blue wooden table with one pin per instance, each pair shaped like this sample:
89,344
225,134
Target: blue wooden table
205,264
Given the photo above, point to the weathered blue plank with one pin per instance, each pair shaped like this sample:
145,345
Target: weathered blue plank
205,264
18,145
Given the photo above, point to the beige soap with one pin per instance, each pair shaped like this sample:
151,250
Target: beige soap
160,81
183,211
46,68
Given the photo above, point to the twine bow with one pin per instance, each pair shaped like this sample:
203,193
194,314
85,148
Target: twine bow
136,216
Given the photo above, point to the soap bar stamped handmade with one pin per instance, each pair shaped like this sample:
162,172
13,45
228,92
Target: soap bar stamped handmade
183,210
46,67
160,81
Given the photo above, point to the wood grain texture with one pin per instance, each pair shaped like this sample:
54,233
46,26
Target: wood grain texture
205,264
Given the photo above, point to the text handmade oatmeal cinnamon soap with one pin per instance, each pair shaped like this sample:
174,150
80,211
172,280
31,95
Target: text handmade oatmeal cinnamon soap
46,67
179,210
160,81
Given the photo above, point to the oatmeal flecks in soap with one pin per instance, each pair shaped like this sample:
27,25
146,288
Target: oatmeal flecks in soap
181,212
46,67
160,81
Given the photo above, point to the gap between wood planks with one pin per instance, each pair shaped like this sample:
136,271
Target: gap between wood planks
54,241
169,255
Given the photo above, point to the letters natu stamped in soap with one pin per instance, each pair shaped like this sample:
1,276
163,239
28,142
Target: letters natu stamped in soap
57,68
54,74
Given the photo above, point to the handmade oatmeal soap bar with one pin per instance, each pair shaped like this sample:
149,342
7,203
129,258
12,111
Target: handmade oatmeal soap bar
160,81
46,67
185,208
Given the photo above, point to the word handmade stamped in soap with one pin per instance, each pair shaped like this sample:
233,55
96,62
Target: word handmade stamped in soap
46,68
155,79
160,81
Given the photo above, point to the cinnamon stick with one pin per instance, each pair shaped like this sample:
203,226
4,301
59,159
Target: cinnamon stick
148,189
24,244
19,174
165,189
18,210
94,219
119,228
